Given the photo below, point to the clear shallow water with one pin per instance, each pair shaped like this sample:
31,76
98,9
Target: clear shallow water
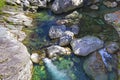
71,66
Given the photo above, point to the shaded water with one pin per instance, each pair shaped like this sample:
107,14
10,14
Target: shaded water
69,67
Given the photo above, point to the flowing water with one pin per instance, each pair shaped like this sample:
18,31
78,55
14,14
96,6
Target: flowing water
67,67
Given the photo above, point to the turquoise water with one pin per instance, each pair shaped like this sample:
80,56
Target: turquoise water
69,67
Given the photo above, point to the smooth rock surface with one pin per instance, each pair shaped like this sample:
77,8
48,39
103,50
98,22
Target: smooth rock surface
86,45
60,6
35,57
94,67
15,60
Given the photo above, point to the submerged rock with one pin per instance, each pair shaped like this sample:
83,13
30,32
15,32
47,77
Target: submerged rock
55,50
94,7
111,63
15,63
60,6
94,67
86,45
57,31
75,29
110,4
114,19
112,47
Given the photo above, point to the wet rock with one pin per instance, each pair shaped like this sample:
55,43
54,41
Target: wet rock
112,47
15,63
73,15
13,2
75,29
19,19
60,6
94,67
66,38
111,63
71,19
86,45
89,2
110,4
94,7
55,50
35,57
34,4
57,31
113,19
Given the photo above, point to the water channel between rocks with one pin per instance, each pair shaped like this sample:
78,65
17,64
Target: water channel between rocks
66,67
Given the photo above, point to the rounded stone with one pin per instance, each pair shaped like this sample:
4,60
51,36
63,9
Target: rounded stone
35,58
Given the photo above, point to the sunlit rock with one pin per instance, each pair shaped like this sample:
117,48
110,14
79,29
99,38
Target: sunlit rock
60,6
35,58
57,31
86,45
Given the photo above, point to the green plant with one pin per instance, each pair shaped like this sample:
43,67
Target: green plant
39,73
2,4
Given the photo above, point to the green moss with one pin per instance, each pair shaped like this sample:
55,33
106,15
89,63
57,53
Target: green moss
43,16
63,63
39,73
2,4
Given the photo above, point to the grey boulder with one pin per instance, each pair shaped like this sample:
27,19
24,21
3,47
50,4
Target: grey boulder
86,45
60,6
57,31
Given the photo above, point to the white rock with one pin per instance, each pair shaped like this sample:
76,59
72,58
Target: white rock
35,57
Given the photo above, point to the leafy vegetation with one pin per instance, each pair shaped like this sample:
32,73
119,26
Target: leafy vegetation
39,73
2,4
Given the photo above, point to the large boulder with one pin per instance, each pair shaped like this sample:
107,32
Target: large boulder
94,67
86,45
60,6
15,63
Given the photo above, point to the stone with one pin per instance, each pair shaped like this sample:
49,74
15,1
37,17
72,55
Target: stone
94,67
19,19
114,20
110,4
19,35
13,2
94,7
75,29
60,6
35,58
73,15
86,45
55,50
112,47
111,63
66,38
15,63
57,31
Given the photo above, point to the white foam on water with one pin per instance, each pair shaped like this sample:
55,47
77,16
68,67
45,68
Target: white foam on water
104,55
55,73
